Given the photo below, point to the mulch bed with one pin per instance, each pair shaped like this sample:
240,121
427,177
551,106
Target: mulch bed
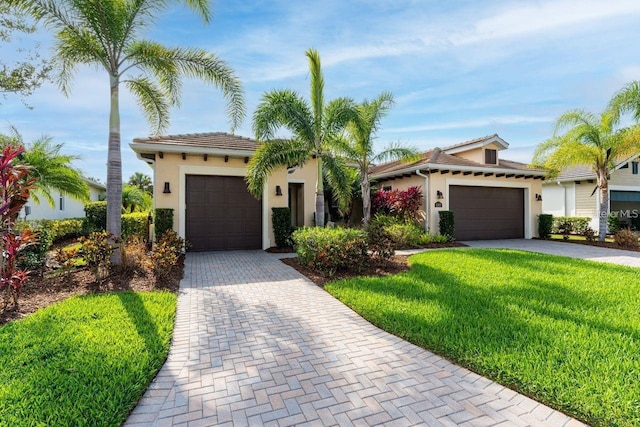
439,246
46,287
609,245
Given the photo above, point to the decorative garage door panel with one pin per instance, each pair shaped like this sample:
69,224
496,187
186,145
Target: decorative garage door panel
487,212
221,214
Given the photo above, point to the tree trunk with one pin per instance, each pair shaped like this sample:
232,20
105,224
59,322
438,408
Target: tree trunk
319,196
603,209
114,167
365,187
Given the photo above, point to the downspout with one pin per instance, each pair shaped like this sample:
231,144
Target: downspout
426,199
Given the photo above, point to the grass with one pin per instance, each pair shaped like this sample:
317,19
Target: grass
84,361
564,331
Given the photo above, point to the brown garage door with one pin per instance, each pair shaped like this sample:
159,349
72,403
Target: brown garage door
487,212
221,214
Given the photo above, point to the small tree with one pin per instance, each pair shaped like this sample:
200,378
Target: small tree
15,185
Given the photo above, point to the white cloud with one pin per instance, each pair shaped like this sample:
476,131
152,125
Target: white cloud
474,123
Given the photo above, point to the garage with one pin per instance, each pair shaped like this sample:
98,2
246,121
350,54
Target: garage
221,214
487,212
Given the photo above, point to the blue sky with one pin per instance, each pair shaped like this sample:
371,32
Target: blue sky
458,69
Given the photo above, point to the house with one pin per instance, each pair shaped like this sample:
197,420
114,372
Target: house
491,197
202,178
65,206
572,193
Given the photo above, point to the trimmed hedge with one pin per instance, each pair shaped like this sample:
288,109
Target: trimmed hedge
570,224
282,228
545,225
135,224
447,224
96,216
328,250
163,221
405,234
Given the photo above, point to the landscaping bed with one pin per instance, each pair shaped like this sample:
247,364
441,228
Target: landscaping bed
562,331
609,243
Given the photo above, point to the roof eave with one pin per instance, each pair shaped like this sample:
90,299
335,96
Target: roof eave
145,147
459,168
478,144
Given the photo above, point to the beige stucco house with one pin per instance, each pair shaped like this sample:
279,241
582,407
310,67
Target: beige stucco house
572,193
491,197
202,178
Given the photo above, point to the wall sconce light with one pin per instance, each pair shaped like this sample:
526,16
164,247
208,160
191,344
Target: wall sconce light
226,159
161,154
184,156
439,194
166,190
205,157
278,190
246,160
538,197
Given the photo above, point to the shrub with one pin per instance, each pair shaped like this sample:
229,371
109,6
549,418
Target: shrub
96,251
163,221
165,253
405,205
380,242
61,229
545,225
134,254
613,223
33,256
589,235
570,224
282,228
327,250
447,225
135,224
437,238
626,238
96,217
407,234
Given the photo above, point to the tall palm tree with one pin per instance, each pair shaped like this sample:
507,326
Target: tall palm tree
142,181
107,34
357,147
627,100
54,172
582,138
314,126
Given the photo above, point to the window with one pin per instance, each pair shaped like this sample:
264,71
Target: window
61,202
634,168
491,157
386,188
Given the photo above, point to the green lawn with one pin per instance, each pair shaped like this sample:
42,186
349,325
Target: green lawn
84,361
564,331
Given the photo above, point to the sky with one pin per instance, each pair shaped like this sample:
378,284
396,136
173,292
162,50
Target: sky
458,70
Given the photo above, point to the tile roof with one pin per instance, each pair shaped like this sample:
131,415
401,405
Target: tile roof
575,173
219,140
471,141
437,157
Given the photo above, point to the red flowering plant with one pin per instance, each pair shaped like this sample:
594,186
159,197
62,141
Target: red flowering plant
404,205
15,184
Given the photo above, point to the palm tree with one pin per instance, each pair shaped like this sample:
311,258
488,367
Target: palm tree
53,171
627,100
314,126
107,35
135,199
357,147
142,181
582,138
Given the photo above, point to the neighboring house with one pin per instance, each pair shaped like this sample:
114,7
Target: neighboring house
202,178
65,206
572,193
491,197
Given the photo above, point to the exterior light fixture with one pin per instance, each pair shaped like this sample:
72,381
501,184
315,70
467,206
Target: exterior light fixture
538,197
278,190
246,160
439,194
166,190
226,159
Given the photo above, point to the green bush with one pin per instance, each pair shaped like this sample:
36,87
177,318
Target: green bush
447,224
96,217
163,221
33,256
166,252
327,250
380,242
613,223
545,225
61,229
626,238
135,224
406,234
96,251
570,224
282,228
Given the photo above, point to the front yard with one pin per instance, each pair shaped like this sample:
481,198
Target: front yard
563,331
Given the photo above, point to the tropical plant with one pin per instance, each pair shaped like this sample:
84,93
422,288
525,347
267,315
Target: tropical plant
583,138
404,205
135,199
357,146
314,127
108,35
627,100
142,181
53,171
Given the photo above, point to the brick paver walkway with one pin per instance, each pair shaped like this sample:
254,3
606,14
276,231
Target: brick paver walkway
256,343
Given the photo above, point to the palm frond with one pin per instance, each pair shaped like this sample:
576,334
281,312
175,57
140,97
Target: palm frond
575,118
340,177
272,155
317,89
337,115
626,100
397,151
283,109
152,102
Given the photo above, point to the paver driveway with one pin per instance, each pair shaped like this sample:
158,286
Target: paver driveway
256,343
574,250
